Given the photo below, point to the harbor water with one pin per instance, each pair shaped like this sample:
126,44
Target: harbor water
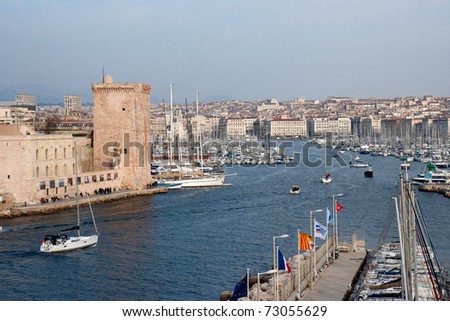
193,244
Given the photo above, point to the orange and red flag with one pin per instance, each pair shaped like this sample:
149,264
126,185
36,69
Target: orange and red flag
305,242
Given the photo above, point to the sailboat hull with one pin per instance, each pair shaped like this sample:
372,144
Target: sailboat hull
71,244
202,182
326,180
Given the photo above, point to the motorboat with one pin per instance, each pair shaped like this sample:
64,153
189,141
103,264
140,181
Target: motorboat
295,190
359,165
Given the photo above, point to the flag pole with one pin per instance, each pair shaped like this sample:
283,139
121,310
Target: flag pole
337,235
334,229
326,220
314,275
276,277
299,281
248,283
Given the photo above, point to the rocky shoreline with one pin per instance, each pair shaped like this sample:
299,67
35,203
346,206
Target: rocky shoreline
443,189
49,208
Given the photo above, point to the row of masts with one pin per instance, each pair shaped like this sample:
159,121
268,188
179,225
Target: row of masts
423,277
171,137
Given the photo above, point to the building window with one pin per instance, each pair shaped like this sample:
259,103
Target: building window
52,184
94,178
123,109
46,171
73,168
65,169
37,171
42,185
37,154
46,154
64,152
9,176
61,183
56,170
56,153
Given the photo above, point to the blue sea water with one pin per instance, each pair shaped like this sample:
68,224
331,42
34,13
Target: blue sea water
193,244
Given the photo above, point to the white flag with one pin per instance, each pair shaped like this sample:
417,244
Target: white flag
320,230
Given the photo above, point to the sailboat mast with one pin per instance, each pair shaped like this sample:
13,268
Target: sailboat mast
171,129
76,185
199,137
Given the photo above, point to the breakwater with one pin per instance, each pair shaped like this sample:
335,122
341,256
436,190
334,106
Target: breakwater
443,189
49,208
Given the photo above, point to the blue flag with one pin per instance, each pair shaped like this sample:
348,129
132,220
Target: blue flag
240,290
329,217
282,263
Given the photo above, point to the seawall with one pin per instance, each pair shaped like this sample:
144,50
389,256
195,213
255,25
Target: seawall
49,208
437,188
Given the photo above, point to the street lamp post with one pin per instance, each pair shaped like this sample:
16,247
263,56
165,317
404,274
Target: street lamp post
259,282
313,257
275,263
335,225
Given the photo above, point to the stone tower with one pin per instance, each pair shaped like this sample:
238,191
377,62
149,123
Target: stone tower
122,130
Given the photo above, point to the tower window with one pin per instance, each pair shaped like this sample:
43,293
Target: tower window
123,109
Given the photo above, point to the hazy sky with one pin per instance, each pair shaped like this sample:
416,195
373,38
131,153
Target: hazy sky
244,49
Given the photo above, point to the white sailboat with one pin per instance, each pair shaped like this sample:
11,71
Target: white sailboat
63,243
326,178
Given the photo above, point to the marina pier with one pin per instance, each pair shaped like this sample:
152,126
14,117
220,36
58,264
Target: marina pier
333,278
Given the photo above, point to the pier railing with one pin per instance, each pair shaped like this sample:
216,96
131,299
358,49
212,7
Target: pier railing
294,285
288,282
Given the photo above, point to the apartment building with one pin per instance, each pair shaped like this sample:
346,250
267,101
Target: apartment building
294,127
240,127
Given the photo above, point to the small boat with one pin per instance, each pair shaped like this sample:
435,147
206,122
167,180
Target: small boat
326,179
295,190
359,165
369,172
431,175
